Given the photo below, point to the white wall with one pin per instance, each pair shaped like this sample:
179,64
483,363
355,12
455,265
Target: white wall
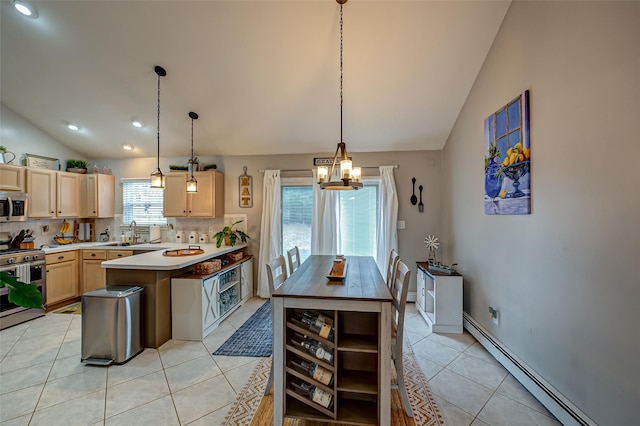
21,137
565,278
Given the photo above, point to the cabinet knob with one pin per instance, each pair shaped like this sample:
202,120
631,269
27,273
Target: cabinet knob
93,255
60,257
51,212
119,254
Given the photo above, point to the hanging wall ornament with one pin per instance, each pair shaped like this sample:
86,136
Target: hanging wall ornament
245,196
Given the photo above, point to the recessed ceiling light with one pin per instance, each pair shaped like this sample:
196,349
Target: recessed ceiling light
137,123
127,147
26,8
73,127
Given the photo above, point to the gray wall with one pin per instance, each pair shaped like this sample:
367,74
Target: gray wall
564,278
424,165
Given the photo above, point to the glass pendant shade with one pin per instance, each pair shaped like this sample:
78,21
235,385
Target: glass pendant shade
356,174
157,179
323,171
192,185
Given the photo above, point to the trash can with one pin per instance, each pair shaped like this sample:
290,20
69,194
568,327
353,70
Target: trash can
111,324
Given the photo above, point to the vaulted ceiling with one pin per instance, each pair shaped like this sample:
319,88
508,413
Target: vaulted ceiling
262,75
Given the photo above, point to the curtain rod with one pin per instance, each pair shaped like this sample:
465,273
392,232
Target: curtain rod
395,166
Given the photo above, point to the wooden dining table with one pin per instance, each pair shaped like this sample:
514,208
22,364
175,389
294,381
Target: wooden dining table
360,307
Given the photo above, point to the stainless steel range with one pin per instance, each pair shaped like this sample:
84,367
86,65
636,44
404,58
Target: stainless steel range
29,266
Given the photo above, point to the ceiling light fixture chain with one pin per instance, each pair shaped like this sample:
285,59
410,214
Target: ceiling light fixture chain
341,69
157,178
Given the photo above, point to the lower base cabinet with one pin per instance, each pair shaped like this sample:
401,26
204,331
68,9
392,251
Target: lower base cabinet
94,276
61,276
199,303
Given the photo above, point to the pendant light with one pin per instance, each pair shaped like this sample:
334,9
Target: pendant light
192,183
349,175
157,178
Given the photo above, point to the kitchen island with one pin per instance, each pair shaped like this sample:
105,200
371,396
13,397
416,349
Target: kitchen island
153,271
360,349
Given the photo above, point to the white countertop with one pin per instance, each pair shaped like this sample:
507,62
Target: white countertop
152,260
108,245
156,261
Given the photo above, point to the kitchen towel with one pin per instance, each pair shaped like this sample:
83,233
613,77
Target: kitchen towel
154,233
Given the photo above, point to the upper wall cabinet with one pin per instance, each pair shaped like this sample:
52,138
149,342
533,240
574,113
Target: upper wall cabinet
207,202
53,194
11,178
98,194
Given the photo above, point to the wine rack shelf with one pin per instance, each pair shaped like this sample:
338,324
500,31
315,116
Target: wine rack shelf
354,391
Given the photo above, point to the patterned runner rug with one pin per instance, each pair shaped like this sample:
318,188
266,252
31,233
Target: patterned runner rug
253,408
253,338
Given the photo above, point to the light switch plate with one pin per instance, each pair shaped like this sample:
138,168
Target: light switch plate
401,224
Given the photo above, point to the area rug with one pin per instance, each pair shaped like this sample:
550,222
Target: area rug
75,308
253,408
253,338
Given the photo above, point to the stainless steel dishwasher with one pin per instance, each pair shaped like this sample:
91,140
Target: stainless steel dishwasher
111,324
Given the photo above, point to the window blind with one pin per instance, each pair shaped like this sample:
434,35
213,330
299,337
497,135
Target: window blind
142,203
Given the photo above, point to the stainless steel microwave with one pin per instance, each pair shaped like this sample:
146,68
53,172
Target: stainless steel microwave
13,206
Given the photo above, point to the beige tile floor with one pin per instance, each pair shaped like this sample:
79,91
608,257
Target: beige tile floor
43,382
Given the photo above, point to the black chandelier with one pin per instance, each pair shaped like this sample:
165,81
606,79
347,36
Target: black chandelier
349,175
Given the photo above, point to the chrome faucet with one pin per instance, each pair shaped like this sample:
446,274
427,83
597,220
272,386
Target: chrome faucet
133,228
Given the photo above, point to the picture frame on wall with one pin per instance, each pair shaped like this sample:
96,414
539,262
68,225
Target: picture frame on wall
40,162
507,159
245,191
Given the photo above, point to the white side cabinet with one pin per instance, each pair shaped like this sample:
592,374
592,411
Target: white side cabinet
199,303
439,299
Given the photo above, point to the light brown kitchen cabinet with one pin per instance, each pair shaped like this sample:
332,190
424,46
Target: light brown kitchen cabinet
61,276
117,254
41,187
53,194
94,276
68,194
207,202
98,196
11,178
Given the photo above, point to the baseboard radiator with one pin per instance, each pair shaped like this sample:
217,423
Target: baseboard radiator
565,411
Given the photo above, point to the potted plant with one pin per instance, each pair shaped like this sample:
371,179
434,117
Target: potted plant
178,167
76,166
230,235
20,293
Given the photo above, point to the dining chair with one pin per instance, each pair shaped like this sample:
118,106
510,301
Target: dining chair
294,259
399,289
276,275
391,267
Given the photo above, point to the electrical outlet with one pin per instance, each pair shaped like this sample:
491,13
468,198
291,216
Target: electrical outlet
493,314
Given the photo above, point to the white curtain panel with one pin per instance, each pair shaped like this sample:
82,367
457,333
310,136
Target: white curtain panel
325,220
270,227
387,219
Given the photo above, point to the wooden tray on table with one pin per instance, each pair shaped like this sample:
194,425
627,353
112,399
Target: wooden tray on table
338,278
192,250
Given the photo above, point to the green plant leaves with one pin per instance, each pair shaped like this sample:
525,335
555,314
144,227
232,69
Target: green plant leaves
22,294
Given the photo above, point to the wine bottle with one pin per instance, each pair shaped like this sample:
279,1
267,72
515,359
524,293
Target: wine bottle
314,348
319,324
315,394
314,371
